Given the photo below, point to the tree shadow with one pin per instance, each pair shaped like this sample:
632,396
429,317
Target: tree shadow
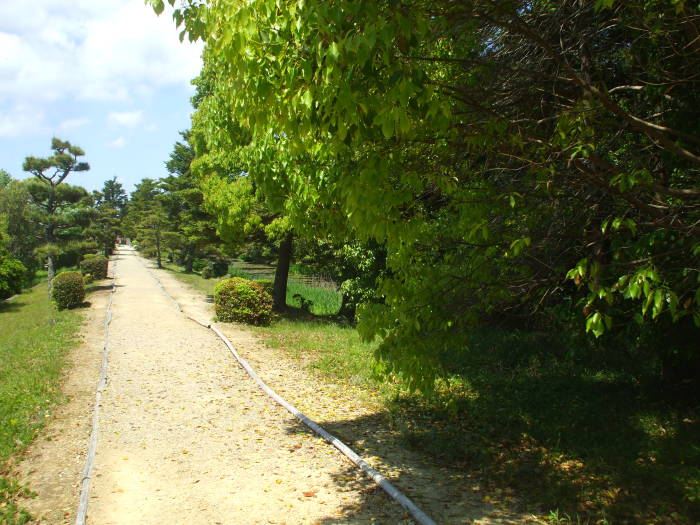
429,486
591,449
293,313
11,306
101,287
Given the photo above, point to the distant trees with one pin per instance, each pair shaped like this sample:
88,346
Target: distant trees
146,220
24,232
51,195
112,196
183,201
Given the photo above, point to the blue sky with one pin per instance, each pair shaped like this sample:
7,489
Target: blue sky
107,75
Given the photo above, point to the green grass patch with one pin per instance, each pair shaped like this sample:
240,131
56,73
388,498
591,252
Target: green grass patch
584,443
318,300
195,280
324,300
331,349
34,340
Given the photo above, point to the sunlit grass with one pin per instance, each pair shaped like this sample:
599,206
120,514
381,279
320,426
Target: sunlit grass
325,300
34,340
333,350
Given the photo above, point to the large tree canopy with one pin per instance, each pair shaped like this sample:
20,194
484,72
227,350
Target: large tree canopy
518,159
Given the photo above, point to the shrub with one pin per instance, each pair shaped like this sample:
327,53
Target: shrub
12,274
215,268
95,265
199,264
68,290
238,299
267,285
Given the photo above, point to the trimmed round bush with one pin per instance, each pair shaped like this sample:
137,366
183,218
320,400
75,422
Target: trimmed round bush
95,265
68,290
238,299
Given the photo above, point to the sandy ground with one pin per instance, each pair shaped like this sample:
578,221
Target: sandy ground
187,437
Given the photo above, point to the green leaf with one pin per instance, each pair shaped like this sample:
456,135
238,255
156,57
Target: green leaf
307,98
595,324
158,6
659,297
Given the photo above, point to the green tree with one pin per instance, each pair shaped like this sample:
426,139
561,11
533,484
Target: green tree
12,271
183,200
519,160
146,220
24,230
5,179
113,196
51,172
229,178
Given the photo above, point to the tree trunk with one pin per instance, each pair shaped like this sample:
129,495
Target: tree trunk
49,238
284,258
159,260
189,260
50,270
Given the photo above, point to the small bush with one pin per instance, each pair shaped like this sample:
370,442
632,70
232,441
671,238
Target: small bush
68,290
199,264
95,265
12,276
242,300
215,268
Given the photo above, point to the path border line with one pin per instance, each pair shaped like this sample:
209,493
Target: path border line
420,516
81,514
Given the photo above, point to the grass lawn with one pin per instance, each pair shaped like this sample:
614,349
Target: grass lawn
584,445
323,300
34,339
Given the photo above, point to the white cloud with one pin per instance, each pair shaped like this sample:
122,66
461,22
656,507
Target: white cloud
107,50
21,119
117,143
128,119
73,123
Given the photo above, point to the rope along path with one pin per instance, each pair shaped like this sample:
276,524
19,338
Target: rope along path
101,385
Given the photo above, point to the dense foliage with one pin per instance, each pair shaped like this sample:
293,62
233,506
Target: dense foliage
528,163
95,265
215,268
52,197
241,300
68,290
12,274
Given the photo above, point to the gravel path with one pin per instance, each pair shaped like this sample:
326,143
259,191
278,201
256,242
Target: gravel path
186,437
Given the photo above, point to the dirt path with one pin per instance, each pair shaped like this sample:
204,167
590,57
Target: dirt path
187,437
